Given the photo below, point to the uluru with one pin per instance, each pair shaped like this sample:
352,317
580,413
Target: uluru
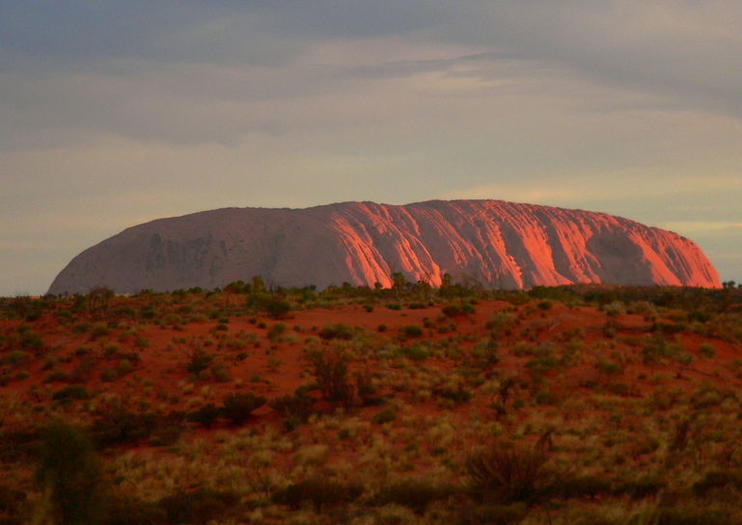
495,243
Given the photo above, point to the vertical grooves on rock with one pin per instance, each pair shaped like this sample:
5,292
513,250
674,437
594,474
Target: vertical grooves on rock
496,243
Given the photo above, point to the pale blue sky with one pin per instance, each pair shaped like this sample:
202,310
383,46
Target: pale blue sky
113,113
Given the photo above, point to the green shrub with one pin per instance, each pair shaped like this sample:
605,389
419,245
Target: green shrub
618,389
115,425
545,397
83,350
198,361
657,347
274,307
276,331
690,515
604,366
81,328
580,487
736,367
416,352
15,358
295,409
610,328
699,316
336,331
220,372
411,330
541,365
643,487
644,445
148,312
321,493
205,416
237,408
453,310
718,480
99,330
124,367
500,324
521,348
412,493
457,395
384,416
668,328
140,341
509,474
490,514
613,309
237,287
331,371
31,341
131,511
486,352
707,350
71,392
198,506
166,432
599,518
109,374
366,389
708,396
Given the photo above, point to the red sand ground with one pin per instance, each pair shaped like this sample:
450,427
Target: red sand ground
163,363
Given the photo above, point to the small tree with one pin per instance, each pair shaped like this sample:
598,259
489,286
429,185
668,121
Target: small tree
331,371
257,285
70,477
399,283
99,300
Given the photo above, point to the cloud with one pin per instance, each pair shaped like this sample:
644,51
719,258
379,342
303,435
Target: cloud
680,49
217,72
81,34
22,245
704,226
683,50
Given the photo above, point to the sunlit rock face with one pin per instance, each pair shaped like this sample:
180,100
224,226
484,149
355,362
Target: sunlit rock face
496,243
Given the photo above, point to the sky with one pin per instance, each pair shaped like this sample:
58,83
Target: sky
115,113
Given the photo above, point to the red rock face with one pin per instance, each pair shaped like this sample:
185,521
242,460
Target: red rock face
496,243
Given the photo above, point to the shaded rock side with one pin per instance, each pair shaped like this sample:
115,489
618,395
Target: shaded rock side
496,243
